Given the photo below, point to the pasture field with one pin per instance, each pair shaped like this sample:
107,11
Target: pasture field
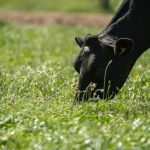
37,84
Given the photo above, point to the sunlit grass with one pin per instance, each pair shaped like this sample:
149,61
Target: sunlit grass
37,84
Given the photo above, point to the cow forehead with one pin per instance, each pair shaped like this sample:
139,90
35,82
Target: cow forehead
91,60
88,61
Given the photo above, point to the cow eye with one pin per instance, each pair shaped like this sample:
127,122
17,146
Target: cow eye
86,49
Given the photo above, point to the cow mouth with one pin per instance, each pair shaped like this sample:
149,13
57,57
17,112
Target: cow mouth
95,94
89,94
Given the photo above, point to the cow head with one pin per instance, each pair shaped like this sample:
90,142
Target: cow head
102,61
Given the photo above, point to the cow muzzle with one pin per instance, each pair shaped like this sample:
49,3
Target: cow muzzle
87,94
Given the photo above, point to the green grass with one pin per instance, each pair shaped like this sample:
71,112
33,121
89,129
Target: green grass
37,84
55,5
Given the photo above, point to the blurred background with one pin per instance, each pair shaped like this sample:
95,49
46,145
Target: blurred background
108,6
67,12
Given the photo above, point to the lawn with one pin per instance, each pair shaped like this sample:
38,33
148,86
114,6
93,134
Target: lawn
37,84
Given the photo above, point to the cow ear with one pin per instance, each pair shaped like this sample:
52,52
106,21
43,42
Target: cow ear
79,41
123,46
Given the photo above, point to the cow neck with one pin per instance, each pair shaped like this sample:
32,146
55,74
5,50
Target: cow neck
128,27
120,13
134,24
125,28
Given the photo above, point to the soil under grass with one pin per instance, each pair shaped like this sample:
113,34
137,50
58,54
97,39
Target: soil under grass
59,18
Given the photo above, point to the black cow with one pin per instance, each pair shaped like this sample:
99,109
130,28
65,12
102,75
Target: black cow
107,58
